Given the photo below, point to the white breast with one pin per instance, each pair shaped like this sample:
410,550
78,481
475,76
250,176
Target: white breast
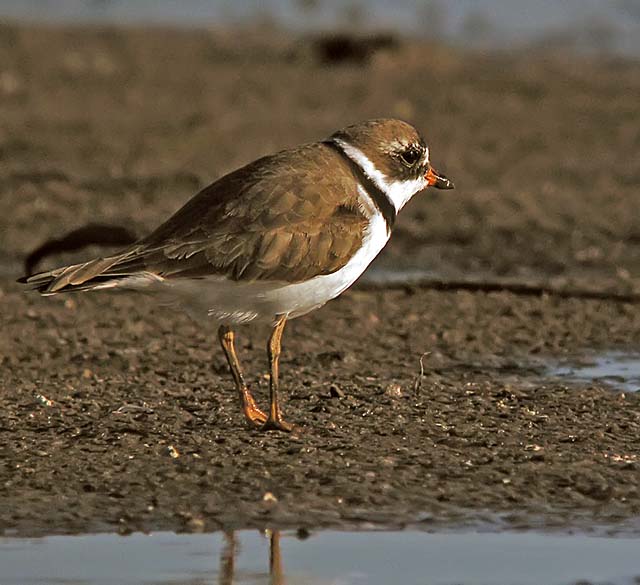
300,298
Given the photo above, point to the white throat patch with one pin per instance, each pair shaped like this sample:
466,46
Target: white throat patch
398,192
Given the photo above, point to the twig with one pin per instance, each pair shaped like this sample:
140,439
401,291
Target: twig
417,385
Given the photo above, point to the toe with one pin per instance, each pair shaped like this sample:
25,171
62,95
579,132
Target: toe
278,425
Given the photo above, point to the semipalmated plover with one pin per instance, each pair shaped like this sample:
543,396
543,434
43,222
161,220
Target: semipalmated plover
272,240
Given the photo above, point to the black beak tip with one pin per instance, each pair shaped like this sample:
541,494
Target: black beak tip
444,183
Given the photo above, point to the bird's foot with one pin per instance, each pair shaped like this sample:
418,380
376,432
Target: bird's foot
255,417
278,424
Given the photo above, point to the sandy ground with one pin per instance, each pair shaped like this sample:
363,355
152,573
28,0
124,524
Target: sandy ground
115,414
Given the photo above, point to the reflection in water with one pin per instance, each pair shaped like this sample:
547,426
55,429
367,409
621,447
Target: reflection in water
275,559
228,559
327,558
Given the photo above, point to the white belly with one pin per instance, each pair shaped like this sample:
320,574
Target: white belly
233,302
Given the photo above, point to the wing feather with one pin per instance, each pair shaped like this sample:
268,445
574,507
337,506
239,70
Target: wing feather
287,217
265,222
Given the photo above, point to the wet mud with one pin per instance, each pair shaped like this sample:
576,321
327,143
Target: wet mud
416,406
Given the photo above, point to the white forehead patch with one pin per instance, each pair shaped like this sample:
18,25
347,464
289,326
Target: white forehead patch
398,192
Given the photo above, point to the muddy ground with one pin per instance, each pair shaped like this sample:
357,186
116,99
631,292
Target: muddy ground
119,415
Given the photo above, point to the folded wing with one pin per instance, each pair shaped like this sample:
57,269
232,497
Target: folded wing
287,217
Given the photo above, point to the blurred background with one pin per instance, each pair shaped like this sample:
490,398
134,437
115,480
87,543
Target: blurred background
119,111
587,25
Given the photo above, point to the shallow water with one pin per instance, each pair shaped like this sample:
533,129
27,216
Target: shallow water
338,558
618,369
501,22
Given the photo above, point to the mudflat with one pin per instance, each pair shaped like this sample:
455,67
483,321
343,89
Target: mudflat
416,406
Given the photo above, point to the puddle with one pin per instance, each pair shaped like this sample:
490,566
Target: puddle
618,369
336,558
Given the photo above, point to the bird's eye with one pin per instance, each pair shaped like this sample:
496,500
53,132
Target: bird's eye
410,156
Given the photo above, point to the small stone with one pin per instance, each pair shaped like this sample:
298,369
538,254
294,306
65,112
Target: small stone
44,400
269,498
393,390
173,452
195,524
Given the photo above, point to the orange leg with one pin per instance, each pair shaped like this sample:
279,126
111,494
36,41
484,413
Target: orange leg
275,420
253,414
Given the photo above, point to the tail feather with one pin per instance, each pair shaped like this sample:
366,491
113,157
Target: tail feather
80,273
95,274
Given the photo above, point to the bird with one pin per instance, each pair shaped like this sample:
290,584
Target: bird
272,240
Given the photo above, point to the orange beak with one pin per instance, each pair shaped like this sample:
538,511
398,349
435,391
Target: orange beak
435,179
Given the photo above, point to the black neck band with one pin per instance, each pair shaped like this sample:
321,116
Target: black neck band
378,196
